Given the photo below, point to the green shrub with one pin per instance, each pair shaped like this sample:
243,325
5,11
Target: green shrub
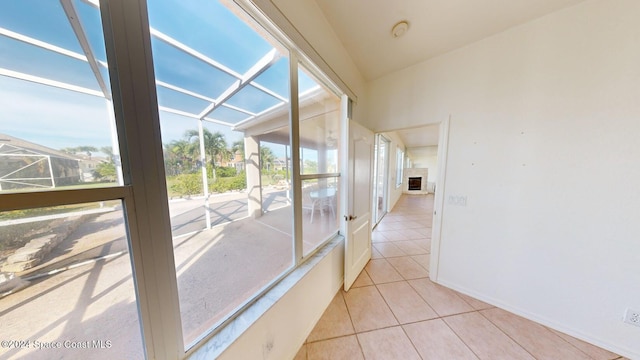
13,214
105,172
187,184
224,184
226,172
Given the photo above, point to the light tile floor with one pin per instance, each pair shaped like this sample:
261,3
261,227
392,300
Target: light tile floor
393,311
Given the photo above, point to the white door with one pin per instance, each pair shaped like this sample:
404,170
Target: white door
358,217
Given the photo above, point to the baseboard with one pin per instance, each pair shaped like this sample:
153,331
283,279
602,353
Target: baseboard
620,350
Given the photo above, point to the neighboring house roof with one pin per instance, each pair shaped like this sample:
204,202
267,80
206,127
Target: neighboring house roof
14,145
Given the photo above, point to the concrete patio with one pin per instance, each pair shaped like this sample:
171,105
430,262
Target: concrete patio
92,296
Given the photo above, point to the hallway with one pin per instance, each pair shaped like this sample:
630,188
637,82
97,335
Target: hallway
393,310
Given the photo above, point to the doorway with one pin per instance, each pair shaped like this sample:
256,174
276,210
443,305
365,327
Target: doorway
424,159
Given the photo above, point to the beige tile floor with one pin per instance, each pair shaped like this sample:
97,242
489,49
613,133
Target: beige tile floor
393,311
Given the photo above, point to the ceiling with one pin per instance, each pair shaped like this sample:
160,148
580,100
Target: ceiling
435,27
417,141
419,137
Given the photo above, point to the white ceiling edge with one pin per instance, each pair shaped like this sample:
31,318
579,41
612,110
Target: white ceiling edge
436,27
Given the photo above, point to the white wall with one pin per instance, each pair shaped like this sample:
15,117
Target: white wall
543,142
282,330
309,20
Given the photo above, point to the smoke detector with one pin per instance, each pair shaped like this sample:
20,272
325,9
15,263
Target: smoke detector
400,29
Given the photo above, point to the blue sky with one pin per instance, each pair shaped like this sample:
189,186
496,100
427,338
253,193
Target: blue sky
60,118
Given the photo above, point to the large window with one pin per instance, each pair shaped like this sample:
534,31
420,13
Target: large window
319,111
67,287
233,220
66,277
141,208
399,167
57,129
381,177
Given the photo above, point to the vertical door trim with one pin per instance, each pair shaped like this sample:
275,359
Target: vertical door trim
438,202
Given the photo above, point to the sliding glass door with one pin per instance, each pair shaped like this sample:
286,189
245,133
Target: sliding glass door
381,177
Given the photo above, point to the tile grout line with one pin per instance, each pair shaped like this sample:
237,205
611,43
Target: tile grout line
393,313
480,312
410,340
383,298
546,328
386,303
460,337
567,342
442,319
355,332
401,325
427,301
507,335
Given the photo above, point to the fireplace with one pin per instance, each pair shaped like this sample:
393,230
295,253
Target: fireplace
415,183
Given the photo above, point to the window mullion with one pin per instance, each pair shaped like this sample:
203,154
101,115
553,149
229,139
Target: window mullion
319,176
29,200
128,45
294,125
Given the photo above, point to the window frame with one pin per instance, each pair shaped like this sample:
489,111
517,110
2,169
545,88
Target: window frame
143,191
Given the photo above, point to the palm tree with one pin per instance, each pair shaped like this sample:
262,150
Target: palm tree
174,157
215,146
85,149
266,157
108,150
238,145
106,170
180,149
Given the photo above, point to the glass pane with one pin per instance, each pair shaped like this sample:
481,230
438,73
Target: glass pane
57,126
253,99
42,20
277,76
320,140
66,284
231,218
275,167
319,130
381,154
89,16
306,84
33,60
196,24
176,100
228,115
320,204
399,167
183,168
178,68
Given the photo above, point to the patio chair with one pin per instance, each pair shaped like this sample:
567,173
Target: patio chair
308,203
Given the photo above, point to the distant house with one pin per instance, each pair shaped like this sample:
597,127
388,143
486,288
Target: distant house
88,165
24,164
279,164
237,161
